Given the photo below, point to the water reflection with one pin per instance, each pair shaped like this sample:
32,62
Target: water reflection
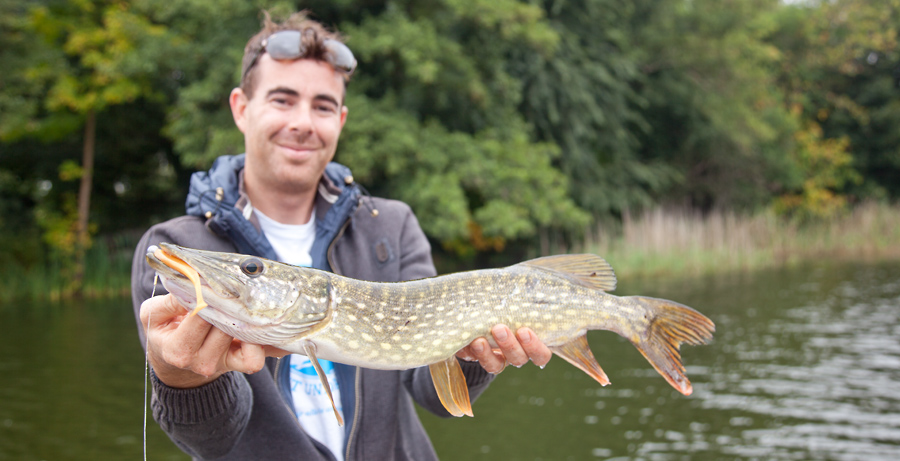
71,383
805,366
824,367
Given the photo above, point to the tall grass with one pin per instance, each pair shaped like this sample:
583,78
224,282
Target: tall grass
659,242
107,273
681,242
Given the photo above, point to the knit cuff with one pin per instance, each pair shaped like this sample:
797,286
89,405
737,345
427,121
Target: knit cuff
475,374
196,405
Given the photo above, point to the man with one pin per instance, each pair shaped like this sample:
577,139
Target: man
219,398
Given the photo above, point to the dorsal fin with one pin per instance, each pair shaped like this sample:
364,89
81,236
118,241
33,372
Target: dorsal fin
589,270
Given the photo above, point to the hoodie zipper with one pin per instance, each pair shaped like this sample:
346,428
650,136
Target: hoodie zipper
357,393
329,253
278,366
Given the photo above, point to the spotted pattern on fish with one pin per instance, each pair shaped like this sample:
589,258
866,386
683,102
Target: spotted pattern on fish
423,322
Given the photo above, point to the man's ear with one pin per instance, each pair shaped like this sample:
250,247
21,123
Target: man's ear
238,101
344,111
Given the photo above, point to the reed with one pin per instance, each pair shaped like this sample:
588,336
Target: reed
107,273
660,242
683,242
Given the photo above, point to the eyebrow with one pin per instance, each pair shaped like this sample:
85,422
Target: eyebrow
294,93
282,90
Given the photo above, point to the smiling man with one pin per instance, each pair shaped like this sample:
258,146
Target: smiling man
285,199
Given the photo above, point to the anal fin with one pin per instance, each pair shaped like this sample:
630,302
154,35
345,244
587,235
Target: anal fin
578,353
450,383
310,350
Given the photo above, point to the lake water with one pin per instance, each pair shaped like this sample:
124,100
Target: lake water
805,365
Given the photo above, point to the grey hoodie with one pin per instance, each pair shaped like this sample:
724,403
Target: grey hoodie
241,416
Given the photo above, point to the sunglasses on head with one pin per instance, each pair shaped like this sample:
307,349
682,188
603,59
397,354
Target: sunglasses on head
288,45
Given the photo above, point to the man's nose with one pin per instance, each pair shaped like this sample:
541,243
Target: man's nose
300,119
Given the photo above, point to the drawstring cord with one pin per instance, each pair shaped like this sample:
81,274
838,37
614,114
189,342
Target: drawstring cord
368,203
220,194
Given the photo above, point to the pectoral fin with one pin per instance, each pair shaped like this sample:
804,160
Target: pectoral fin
578,353
450,384
310,350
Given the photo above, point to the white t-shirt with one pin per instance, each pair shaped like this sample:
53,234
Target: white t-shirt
292,244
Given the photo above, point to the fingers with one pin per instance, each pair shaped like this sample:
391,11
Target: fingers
481,351
534,348
186,351
160,310
509,345
511,349
212,357
272,351
251,358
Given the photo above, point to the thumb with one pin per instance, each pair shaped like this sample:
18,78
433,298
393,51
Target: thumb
164,309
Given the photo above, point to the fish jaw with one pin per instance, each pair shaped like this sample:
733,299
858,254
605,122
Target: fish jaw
253,309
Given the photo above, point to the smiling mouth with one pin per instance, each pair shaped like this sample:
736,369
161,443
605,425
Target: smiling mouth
299,148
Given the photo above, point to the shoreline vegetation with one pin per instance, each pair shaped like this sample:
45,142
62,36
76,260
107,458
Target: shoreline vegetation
658,243
107,274
669,242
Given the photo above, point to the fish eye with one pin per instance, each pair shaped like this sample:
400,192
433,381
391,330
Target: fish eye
253,267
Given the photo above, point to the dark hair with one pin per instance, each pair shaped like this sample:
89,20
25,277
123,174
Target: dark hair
313,35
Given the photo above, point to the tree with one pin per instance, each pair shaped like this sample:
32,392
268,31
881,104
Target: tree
433,111
89,56
585,97
840,72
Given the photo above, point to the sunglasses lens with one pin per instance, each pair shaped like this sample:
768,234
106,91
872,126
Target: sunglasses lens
341,55
284,45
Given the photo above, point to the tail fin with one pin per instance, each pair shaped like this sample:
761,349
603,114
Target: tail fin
671,324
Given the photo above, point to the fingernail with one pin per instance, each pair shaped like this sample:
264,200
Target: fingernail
500,334
525,336
478,347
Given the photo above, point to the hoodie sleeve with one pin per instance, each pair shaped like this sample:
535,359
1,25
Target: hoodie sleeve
207,420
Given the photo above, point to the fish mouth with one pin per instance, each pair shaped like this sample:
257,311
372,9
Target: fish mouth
190,273
186,273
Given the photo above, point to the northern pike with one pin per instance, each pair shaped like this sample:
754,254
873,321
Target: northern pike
403,325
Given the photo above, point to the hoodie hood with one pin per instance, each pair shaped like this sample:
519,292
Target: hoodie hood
215,195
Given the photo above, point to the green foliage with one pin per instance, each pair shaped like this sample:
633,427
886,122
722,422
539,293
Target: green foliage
585,97
433,117
504,186
715,111
72,57
498,121
207,46
435,123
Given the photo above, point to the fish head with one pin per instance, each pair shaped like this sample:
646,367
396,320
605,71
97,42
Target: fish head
244,293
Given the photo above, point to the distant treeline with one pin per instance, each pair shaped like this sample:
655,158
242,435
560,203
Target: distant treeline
502,123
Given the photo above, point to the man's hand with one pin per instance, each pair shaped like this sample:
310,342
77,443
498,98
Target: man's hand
188,352
512,349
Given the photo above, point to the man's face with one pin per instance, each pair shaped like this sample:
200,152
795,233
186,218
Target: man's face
291,124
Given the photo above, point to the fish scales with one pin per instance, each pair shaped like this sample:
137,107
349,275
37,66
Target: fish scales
410,324
425,322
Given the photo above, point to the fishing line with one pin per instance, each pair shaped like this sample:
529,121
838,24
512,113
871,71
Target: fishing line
147,362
